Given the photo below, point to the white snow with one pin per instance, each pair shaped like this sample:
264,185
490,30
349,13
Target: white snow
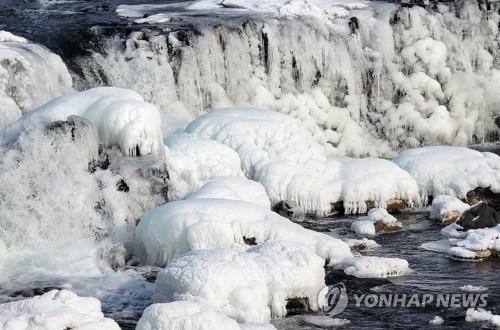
374,267
278,152
121,118
234,188
445,207
481,315
178,227
196,161
55,310
249,286
362,244
184,315
481,239
473,288
22,66
444,170
365,226
437,320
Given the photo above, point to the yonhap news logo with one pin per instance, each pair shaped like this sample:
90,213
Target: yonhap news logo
334,300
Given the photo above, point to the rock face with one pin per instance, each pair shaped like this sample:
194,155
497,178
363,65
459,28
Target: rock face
289,209
483,195
481,215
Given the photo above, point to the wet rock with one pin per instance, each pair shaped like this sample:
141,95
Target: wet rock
483,195
290,210
480,215
297,305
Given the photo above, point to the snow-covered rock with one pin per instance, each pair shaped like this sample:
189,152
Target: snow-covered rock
196,161
55,310
473,244
234,188
121,118
179,227
447,209
374,267
30,75
454,171
375,221
278,152
249,286
482,315
184,315
437,320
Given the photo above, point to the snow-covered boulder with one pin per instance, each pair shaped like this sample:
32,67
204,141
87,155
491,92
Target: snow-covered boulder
454,171
374,267
179,227
30,75
278,152
447,209
481,315
234,188
55,310
477,244
249,286
121,118
197,160
375,221
184,315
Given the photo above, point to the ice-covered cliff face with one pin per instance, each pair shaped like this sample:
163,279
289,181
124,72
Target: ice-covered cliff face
367,82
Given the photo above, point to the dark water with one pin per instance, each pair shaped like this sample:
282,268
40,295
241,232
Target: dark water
432,273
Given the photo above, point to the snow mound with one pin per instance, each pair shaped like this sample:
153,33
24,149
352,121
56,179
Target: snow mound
481,239
55,310
121,118
196,161
437,320
374,267
447,209
481,315
249,286
443,170
376,219
278,152
179,227
234,188
184,315
22,63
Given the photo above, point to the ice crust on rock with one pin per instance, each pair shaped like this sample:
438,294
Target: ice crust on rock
55,310
179,227
374,267
22,66
121,118
234,188
278,152
376,217
250,286
447,208
447,170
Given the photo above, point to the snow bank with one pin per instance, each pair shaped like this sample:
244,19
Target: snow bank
234,188
374,267
376,219
196,161
178,227
454,171
121,118
481,315
184,315
447,209
276,150
22,64
55,310
249,286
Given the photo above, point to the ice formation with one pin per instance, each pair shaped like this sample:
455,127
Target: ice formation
250,286
437,320
278,152
374,267
121,118
55,310
234,188
179,227
473,288
445,170
382,78
376,219
22,66
482,315
447,209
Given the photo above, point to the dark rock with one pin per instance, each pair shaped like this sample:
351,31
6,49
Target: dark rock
249,240
297,305
354,25
483,195
122,186
480,215
289,209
